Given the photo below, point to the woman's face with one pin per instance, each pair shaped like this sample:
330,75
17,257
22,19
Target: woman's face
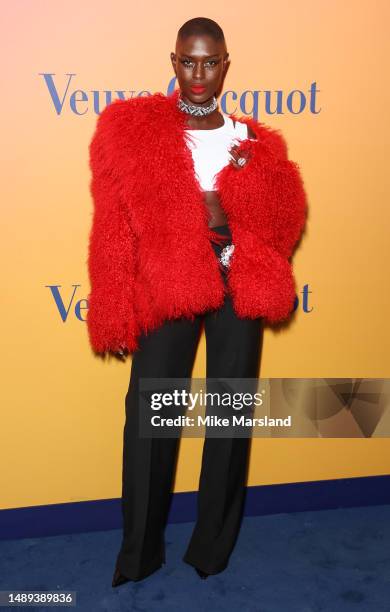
199,61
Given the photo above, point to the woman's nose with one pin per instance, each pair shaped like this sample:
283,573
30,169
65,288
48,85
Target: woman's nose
199,72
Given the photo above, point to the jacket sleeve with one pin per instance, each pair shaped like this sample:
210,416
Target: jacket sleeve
286,190
290,203
110,317
290,207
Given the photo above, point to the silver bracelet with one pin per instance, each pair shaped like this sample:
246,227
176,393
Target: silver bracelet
226,254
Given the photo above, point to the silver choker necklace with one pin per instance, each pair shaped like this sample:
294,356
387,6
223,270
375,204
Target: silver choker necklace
198,111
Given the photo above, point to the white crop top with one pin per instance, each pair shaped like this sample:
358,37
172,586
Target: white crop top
210,149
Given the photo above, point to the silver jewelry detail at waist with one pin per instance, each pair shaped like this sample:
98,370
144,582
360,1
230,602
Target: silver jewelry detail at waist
198,111
226,254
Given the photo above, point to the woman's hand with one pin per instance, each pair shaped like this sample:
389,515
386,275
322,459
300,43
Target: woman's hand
239,159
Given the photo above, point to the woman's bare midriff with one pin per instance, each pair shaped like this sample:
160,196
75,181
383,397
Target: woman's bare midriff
216,212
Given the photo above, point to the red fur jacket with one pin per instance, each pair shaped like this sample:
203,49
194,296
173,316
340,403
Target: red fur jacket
150,257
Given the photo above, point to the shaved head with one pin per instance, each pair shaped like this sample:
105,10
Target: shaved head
201,26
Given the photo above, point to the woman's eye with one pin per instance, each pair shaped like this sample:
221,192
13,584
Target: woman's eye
187,63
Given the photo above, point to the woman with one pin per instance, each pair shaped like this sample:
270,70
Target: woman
195,218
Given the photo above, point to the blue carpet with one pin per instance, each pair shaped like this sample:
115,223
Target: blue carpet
314,561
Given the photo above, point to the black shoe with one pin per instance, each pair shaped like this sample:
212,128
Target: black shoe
201,573
119,579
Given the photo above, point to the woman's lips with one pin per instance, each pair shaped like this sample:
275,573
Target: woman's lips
196,89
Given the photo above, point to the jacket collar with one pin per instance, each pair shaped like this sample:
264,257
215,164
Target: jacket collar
160,162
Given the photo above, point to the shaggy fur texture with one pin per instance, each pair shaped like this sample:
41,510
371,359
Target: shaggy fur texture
150,257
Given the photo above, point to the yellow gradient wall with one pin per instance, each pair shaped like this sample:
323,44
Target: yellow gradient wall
62,409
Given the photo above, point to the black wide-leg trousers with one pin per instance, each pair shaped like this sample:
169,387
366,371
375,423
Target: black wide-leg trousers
233,350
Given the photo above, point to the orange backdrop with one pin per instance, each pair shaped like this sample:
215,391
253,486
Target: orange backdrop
63,409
